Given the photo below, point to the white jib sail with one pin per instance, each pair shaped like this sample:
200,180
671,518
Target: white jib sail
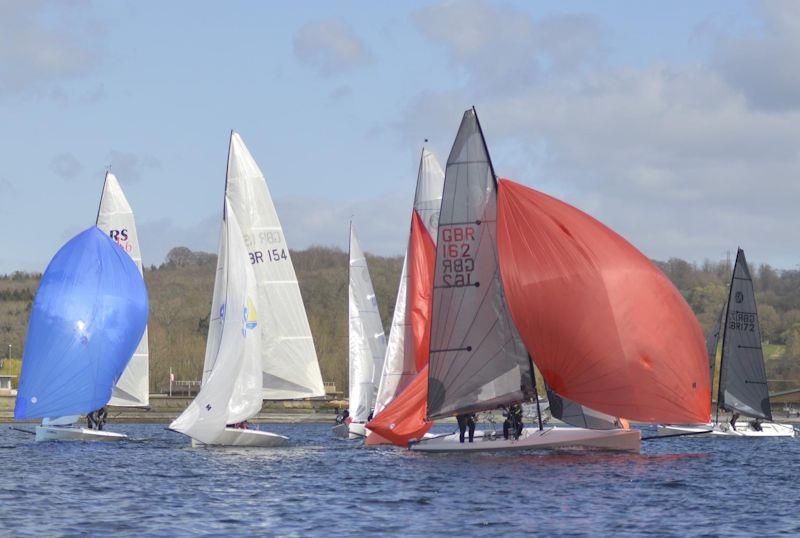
115,218
366,337
399,368
288,356
231,390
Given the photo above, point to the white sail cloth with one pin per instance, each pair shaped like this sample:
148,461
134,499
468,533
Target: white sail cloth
231,390
366,337
115,218
399,367
290,368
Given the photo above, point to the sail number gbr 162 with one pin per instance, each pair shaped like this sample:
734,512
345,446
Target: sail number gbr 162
457,263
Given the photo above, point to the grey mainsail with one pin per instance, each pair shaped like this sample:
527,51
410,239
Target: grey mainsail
743,380
577,415
477,358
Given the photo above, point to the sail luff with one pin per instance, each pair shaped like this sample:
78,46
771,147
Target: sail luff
115,218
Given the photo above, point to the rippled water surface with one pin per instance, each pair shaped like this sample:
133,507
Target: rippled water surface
156,484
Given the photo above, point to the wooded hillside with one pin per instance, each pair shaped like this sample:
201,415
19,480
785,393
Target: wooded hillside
180,301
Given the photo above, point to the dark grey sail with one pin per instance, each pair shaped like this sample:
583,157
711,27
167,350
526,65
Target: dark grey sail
712,342
477,359
577,415
743,381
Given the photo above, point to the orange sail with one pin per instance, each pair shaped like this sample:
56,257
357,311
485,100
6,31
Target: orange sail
603,324
404,418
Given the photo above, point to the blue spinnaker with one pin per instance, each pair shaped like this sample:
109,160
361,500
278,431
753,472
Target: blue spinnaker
88,316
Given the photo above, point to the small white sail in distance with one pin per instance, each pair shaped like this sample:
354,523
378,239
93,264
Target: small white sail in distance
288,357
367,341
399,368
231,390
115,217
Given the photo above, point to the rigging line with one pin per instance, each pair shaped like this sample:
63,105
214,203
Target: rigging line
21,430
475,355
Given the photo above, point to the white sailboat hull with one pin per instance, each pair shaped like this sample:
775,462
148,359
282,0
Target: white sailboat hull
724,430
242,437
533,438
72,433
354,430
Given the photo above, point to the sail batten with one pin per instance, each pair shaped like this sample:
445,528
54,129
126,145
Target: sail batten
743,380
289,358
115,218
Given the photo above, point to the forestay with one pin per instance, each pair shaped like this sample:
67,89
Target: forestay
115,218
231,390
400,366
289,359
88,316
743,380
477,360
367,341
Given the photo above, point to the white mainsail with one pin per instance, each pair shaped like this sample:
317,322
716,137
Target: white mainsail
115,218
399,368
231,390
366,337
288,358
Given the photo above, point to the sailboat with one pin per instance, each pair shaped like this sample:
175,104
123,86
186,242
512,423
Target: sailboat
743,387
400,405
88,317
287,358
522,278
367,344
232,391
115,218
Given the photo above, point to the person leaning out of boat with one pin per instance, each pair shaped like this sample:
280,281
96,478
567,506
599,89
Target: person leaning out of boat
97,419
734,418
513,420
465,421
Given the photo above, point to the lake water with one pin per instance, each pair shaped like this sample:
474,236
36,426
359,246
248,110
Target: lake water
157,485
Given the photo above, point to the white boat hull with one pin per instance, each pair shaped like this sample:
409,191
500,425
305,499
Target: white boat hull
72,433
724,430
354,430
533,438
242,437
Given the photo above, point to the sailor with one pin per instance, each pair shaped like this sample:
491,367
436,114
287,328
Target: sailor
371,412
91,421
102,415
465,421
343,416
513,420
734,418
756,424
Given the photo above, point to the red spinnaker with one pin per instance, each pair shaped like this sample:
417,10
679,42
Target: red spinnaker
404,418
603,324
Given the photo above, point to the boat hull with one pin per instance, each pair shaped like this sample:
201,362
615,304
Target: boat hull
724,430
242,437
354,430
71,433
533,438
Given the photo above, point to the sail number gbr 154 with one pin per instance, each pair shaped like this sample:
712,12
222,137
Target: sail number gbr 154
272,251
457,262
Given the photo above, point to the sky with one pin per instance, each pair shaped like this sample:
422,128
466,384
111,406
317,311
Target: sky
675,123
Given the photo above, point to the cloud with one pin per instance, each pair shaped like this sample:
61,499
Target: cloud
672,156
330,47
131,167
66,166
498,45
763,62
44,44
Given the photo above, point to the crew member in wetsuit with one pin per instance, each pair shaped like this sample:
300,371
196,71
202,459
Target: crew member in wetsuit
343,416
756,424
465,421
734,418
371,412
513,420
91,420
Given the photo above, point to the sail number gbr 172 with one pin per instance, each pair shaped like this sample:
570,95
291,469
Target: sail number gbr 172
457,263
